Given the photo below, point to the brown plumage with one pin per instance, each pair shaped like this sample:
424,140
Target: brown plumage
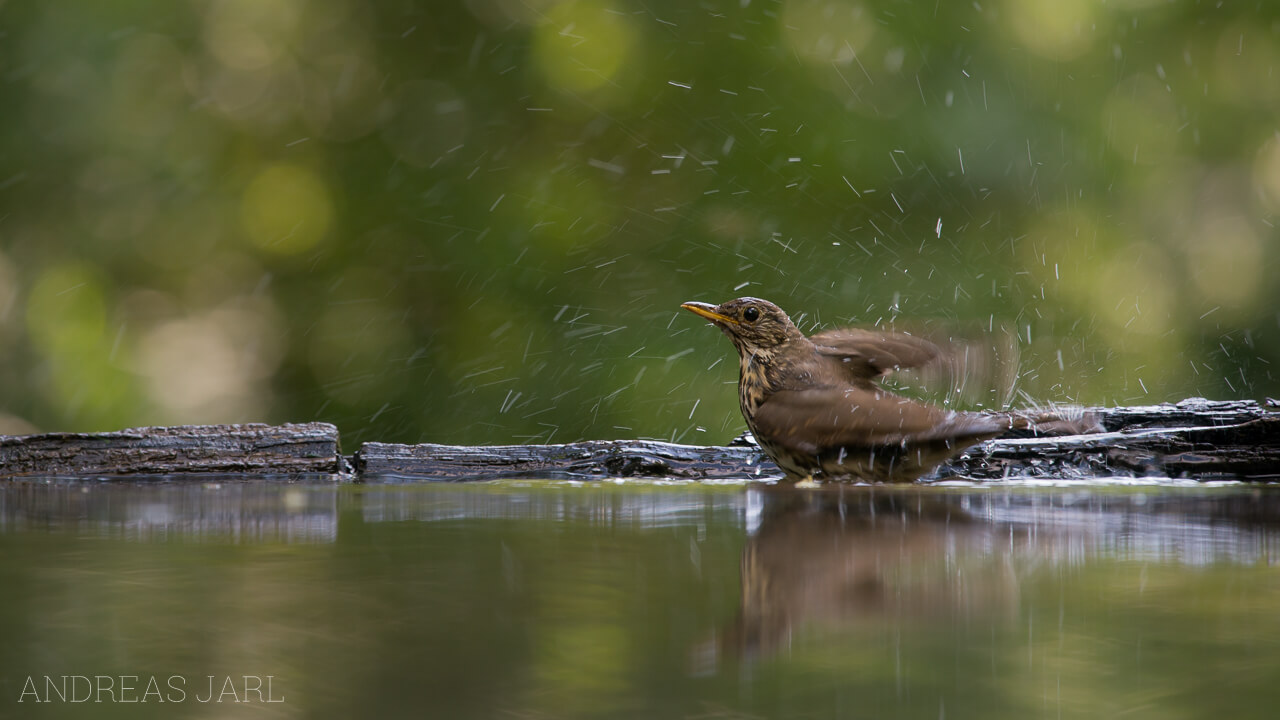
813,405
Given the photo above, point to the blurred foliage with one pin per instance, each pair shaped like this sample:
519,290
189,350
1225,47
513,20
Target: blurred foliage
474,221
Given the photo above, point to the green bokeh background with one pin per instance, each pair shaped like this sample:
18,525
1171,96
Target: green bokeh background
474,221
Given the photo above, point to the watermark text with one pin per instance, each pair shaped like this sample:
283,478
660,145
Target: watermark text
150,689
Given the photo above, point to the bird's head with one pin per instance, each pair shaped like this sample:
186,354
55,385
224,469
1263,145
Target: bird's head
756,327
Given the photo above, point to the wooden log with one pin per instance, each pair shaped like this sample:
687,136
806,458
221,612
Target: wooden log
1243,451
1192,412
1194,438
591,459
258,449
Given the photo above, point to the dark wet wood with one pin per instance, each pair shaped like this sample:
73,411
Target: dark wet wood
1194,438
1243,451
257,449
591,459
1194,412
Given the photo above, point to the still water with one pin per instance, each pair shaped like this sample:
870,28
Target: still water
562,600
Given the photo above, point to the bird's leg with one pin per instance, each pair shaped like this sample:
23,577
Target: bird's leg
808,483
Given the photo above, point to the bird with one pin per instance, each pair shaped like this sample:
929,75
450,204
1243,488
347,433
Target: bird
813,404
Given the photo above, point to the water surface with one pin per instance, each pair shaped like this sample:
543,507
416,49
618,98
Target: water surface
564,600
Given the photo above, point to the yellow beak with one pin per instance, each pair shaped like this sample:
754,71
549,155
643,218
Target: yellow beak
709,312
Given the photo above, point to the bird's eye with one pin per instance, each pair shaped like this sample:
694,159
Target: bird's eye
751,314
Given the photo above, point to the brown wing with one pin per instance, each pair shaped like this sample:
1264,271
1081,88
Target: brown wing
868,354
809,421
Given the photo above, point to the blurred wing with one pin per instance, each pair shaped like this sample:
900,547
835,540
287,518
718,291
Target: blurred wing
809,421
868,354
976,368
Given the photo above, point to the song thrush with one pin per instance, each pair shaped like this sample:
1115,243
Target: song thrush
813,405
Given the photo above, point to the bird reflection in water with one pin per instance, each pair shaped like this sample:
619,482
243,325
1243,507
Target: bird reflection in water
847,558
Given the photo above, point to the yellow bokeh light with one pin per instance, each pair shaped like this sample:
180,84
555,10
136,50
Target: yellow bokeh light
1224,261
66,310
582,44
212,367
1054,29
67,321
1128,285
1266,174
1062,251
1135,291
250,34
259,101
827,31
286,209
